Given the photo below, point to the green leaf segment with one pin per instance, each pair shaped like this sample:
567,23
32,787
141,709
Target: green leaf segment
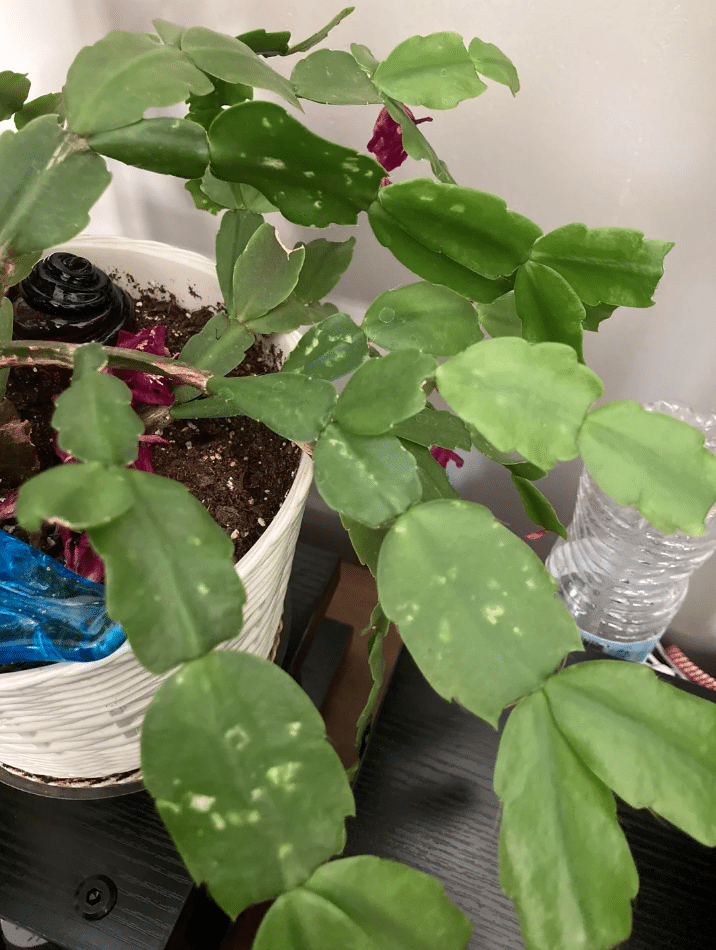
652,461
591,728
311,180
236,796
454,581
339,907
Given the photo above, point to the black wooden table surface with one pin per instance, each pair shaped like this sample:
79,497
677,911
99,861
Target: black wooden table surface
424,797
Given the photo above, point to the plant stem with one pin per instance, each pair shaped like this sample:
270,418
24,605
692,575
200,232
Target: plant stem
47,353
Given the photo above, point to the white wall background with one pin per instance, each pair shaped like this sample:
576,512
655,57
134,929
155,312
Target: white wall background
615,125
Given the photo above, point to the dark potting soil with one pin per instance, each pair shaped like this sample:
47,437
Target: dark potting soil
237,468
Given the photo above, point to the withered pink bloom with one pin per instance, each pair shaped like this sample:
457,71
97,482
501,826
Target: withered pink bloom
8,505
443,456
536,535
146,389
387,141
144,458
79,556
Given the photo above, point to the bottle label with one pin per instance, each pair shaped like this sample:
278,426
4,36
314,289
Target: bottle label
636,651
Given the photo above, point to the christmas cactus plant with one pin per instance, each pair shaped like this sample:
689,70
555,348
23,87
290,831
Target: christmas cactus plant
233,751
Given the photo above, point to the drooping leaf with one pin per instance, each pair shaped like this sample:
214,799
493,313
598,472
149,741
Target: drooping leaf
321,34
474,605
233,61
537,507
422,316
318,311
264,275
50,104
615,266
93,417
112,83
365,59
368,903
223,94
329,350
655,745
235,231
171,581
253,811
294,406
434,427
14,88
414,142
249,199
47,187
384,391
166,145
471,227
334,77
652,461
366,541
6,327
369,478
575,850
376,631
527,470
200,198
289,315
529,398
433,71
491,62
432,265
500,318
77,496
311,181
487,449
324,265
595,315
433,477
265,43
548,307
219,192
169,33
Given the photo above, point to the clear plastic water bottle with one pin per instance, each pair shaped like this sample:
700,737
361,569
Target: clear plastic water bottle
623,580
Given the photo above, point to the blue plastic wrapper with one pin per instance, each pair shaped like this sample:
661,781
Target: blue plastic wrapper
48,613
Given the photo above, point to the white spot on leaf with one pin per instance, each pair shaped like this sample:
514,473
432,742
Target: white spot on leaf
201,803
238,737
492,612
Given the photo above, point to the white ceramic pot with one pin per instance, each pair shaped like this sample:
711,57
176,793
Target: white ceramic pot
83,720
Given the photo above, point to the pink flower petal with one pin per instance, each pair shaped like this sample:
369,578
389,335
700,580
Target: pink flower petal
79,556
536,535
387,141
443,456
146,389
8,505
